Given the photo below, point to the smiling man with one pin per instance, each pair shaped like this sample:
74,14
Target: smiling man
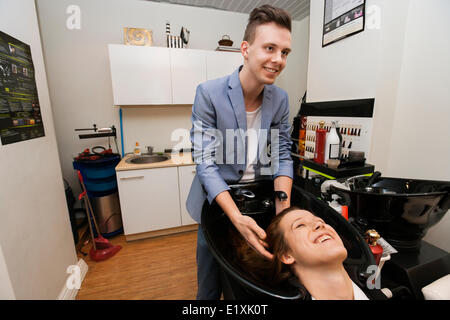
245,101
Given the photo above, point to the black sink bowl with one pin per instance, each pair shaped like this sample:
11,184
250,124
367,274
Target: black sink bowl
236,282
401,210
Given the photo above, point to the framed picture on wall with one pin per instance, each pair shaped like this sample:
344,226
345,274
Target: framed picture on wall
342,18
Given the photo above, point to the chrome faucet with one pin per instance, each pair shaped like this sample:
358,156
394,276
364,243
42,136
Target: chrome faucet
149,150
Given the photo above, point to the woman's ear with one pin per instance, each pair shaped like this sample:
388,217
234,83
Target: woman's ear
286,258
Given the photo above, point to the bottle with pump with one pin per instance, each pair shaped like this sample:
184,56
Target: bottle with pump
372,237
321,137
333,144
137,149
334,204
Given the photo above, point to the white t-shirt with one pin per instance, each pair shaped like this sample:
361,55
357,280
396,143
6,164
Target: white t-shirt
358,294
253,126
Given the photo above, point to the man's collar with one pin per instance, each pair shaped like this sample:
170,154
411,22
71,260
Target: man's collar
234,80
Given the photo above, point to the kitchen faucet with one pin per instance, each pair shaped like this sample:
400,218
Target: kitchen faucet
149,150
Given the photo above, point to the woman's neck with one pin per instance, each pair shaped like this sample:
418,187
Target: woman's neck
327,282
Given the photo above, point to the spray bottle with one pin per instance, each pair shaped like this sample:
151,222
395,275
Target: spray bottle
334,204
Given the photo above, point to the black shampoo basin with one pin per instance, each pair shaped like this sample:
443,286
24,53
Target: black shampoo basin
237,284
401,210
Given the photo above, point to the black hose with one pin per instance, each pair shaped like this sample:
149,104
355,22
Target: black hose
375,176
98,153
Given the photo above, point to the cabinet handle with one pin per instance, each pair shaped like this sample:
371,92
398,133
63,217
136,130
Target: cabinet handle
128,178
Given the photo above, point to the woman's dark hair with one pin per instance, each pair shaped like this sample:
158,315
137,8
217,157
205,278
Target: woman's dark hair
266,14
258,267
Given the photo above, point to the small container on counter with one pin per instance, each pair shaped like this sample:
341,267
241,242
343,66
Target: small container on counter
137,149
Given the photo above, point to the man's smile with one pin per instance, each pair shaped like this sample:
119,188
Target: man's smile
271,70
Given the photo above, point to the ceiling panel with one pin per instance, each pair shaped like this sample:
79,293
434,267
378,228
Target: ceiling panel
298,9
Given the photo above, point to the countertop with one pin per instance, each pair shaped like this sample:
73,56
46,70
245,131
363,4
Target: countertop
179,159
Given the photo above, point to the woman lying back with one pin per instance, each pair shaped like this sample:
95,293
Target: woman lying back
304,246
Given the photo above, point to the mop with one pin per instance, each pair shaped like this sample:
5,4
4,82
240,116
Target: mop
101,249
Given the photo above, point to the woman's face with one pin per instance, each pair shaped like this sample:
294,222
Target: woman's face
310,240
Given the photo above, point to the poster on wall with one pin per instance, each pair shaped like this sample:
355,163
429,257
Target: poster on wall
20,114
342,18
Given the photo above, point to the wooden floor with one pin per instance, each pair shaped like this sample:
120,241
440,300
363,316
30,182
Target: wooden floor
161,268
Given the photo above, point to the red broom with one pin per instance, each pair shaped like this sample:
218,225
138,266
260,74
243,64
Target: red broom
101,249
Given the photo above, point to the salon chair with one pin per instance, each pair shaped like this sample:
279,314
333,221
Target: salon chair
257,200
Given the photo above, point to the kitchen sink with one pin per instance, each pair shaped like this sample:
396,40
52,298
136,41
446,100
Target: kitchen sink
147,159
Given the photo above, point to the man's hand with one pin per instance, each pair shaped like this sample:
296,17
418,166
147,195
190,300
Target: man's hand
253,234
247,227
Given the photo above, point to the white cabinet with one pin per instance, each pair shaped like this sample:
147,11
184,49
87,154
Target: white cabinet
220,64
149,199
162,76
188,69
185,176
140,75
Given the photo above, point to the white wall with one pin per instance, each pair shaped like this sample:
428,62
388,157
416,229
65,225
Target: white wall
365,65
6,289
421,136
403,65
35,234
79,77
294,77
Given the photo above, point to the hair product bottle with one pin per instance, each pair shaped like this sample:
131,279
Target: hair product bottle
333,144
319,150
372,237
302,136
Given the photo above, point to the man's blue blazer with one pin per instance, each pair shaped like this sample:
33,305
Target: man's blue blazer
219,110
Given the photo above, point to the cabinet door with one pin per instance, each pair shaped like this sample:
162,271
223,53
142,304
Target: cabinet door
185,176
140,75
149,199
188,69
220,64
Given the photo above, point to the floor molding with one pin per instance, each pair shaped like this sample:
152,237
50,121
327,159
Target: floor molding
67,292
158,233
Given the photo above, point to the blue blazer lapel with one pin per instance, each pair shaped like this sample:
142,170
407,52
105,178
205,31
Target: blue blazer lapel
237,99
266,108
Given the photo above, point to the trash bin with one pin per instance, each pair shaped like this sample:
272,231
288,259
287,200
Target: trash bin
99,176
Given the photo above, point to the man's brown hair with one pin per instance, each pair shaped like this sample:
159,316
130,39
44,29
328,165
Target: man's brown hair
266,14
